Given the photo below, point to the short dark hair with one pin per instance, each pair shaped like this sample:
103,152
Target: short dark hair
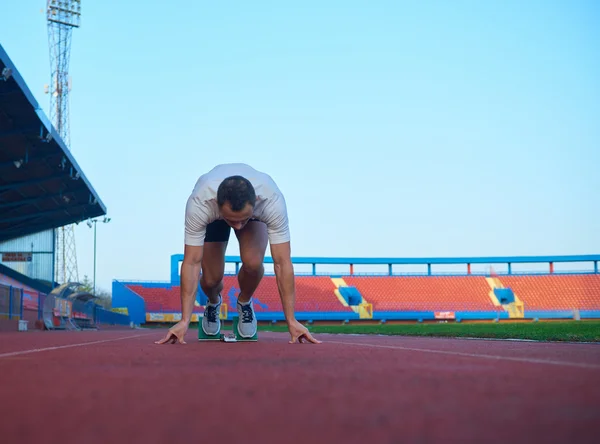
236,190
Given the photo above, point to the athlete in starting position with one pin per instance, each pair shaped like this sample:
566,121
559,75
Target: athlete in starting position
239,197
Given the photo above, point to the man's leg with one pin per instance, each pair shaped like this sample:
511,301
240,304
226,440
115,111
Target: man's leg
213,269
253,241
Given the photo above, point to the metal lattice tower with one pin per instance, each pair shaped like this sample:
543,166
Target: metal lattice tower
62,16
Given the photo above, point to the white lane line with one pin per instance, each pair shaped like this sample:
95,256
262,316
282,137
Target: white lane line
58,347
475,355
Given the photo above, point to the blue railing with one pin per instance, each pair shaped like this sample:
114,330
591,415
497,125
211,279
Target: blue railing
350,262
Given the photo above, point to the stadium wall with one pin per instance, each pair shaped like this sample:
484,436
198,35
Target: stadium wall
31,255
124,298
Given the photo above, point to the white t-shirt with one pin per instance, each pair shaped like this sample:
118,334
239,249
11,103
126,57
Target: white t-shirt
202,208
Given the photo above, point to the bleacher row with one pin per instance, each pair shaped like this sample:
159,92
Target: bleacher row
401,293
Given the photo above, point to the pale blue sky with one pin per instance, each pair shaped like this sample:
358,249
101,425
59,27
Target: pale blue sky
394,128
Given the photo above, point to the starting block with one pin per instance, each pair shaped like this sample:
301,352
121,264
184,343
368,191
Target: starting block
237,335
204,337
219,337
229,337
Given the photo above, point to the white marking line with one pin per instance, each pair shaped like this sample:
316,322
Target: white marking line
475,355
58,347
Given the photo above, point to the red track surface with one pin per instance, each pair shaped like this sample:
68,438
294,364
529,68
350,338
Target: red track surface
350,389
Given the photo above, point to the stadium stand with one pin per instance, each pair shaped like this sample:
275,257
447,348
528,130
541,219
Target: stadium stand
424,293
165,299
41,188
430,296
313,294
557,291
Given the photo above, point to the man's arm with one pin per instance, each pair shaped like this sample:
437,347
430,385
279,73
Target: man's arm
196,219
190,271
284,273
279,238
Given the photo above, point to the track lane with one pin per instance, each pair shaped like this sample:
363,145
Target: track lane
272,391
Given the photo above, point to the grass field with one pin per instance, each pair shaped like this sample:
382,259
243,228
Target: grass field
574,331
564,331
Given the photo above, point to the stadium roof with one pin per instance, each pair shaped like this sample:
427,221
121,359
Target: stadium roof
41,185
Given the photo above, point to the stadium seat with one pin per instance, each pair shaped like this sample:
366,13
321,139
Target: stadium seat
556,291
424,293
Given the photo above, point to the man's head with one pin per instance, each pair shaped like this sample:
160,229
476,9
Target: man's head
236,198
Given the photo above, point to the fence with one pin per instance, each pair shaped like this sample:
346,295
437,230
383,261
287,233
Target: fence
90,315
107,317
11,302
19,304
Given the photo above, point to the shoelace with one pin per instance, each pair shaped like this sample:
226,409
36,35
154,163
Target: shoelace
211,313
246,313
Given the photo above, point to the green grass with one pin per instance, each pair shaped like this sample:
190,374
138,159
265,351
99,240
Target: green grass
566,331
575,331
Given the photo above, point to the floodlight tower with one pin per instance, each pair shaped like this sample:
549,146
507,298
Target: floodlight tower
62,17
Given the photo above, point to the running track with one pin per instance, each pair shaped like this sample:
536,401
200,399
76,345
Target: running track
118,386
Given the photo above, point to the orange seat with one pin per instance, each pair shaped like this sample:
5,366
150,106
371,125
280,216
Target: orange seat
424,293
313,294
556,291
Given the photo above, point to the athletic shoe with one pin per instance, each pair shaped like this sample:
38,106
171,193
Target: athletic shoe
246,319
211,324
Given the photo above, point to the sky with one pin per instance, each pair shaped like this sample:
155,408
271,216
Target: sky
393,128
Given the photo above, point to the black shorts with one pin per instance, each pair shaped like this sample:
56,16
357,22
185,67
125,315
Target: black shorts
219,231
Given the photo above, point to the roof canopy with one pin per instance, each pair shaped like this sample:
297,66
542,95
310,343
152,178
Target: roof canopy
41,185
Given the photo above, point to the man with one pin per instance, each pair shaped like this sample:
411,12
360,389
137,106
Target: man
235,196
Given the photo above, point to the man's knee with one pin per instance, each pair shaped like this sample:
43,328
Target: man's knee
211,281
253,265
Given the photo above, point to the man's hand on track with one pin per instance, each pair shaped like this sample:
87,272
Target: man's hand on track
175,334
